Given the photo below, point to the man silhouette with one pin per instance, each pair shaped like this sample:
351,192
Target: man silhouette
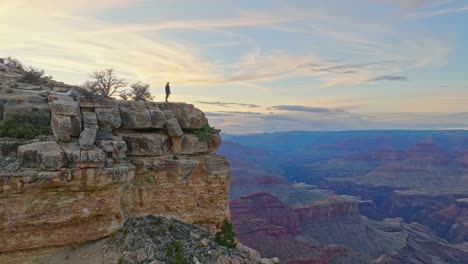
168,91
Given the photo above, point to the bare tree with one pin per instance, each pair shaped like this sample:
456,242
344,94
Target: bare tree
125,95
105,83
140,92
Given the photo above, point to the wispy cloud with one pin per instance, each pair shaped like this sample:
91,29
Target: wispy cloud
226,104
308,109
441,12
389,78
241,113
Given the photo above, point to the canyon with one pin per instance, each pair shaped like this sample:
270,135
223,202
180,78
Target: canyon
375,196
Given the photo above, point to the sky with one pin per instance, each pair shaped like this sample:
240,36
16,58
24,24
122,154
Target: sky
263,65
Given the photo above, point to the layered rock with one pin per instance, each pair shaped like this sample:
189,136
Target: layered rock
263,222
107,161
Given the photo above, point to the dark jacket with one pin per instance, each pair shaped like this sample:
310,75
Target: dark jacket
168,89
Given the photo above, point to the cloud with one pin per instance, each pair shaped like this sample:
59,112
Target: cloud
225,104
308,109
389,78
352,68
241,113
441,12
215,114
412,4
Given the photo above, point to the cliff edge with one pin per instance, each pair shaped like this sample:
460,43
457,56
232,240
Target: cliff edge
102,162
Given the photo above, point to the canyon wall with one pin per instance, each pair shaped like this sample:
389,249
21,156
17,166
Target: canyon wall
108,160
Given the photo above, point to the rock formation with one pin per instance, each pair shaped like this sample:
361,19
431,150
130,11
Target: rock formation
108,160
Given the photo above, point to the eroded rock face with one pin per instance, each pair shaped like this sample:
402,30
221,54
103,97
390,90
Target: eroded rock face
110,160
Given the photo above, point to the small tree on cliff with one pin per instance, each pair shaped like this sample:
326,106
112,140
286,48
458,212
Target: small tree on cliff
104,83
140,92
125,95
226,236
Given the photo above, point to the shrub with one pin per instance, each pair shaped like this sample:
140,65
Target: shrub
13,63
140,92
175,253
32,75
226,236
205,134
24,127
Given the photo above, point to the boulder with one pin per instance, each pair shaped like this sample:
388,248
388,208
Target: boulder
135,118
64,107
147,144
61,127
189,144
96,102
116,148
173,128
90,118
158,118
92,158
87,138
188,116
76,125
47,155
108,117
169,114
72,153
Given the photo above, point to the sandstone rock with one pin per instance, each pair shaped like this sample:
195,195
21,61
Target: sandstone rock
96,102
188,116
147,144
108,117
169,114
135,118
196,205
116,148
158,118
76,125
64,107
90,118
190,144
61,127
93,158
43,155
173,128
87,138
72,153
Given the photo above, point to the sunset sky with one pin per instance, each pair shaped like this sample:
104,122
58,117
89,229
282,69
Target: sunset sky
263,65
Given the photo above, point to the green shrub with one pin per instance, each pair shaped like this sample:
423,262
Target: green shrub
226,236
23,127
175,253
205,133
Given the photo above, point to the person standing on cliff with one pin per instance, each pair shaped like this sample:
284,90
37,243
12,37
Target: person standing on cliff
168,91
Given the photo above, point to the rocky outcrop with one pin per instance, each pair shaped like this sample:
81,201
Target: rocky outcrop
107,161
